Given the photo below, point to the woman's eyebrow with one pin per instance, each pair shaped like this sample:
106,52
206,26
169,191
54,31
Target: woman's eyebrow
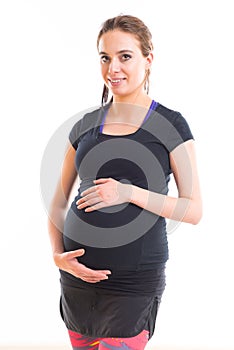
121,51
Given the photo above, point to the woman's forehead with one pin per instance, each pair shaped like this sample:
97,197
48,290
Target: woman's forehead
116,40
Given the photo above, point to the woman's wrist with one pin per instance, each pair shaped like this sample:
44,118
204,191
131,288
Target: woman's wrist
127,190
138,196
57,257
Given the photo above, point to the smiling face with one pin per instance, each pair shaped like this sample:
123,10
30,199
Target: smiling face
123,65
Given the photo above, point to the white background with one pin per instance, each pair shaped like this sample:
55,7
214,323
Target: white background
49,72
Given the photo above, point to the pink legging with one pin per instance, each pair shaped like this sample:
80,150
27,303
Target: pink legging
79,341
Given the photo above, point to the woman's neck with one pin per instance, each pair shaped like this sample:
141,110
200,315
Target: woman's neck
141,100
125,111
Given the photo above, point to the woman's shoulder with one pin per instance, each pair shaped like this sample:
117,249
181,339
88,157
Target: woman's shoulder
85,121
168,113
171,126
88,119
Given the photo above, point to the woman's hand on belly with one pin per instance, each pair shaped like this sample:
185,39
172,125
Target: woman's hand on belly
105,193
68,262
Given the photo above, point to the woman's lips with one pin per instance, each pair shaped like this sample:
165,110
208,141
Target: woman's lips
116,81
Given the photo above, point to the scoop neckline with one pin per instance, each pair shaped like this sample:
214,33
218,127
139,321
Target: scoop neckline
153,107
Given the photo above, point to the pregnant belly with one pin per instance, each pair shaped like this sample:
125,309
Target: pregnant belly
86,227
110,227
107,244
112,238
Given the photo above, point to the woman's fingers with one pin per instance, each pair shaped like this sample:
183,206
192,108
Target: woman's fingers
68,262
92,189
75,253
85,272
100,196
95,188
95,206
88,196
93,275
101,181
89,203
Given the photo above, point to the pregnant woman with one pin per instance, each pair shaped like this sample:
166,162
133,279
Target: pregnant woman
111,245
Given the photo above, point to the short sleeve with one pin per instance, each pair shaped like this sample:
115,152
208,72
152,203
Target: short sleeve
86,123
74,134
179,132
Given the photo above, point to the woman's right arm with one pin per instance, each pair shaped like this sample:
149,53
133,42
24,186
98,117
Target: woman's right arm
67,261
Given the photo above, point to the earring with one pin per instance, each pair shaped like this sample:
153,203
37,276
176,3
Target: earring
146,85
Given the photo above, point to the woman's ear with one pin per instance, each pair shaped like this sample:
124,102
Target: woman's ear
149,60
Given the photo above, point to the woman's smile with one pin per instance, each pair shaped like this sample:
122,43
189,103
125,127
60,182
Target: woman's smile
115,82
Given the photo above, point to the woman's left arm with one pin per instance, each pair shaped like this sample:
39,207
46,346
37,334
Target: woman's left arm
187,207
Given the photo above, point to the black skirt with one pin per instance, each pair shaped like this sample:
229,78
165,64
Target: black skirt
118,307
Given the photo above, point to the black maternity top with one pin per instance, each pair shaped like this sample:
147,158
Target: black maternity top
128,240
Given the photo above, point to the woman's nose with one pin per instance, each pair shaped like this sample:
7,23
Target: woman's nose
114,66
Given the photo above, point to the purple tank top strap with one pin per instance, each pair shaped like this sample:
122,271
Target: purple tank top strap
151,108
103,121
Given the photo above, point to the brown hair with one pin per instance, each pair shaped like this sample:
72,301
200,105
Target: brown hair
132,25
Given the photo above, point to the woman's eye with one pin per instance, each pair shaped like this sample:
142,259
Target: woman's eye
105,59
126,57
